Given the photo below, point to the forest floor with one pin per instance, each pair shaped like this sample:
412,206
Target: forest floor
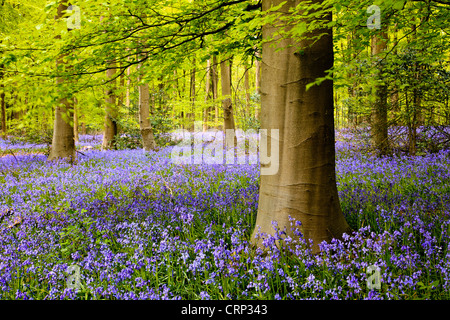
135,225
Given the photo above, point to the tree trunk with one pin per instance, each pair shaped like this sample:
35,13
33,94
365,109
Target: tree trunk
3,104
75,121
247,92
304,187
148,140
215,88
111,112
395,95
352,116
192,93
227,106
3,107
410,123
128,89
63,144
207,108
145,111
395,103
379,125
122,89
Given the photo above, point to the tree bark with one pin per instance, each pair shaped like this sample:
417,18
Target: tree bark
3,104
379,125
304,187
247,91
76,135
395,95
111,112
192,94
411,124
207,108
227,106
215,86
3,107
63,144
148,140
128,89
352,116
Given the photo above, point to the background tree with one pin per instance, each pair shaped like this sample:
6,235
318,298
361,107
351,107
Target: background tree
379,129
227,105
63,143
111,112
148,140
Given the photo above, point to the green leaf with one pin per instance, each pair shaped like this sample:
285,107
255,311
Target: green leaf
309,85
50,5
398,5
300,28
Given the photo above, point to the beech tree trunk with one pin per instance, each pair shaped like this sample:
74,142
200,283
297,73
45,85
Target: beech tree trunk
352,116
207,108
3,104
215,86
76,135
379,124
63,144
227,105
148,140
247,91
111,112
128,89
3,107
304,187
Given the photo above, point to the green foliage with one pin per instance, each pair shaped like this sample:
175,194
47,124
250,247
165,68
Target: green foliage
172,33
129,140
72,237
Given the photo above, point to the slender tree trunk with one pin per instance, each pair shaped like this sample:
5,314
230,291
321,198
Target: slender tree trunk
122,89
111,112
3,103
412,110
337,116
145,112
247,92
75,120
395,103
3,107
176,94
411,124
395,98
192,93
417,99
352,116
63,144
304,187
215,92
380,108
227,106
207,108
128,89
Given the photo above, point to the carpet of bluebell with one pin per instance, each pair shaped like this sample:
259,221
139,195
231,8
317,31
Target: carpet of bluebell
141,227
